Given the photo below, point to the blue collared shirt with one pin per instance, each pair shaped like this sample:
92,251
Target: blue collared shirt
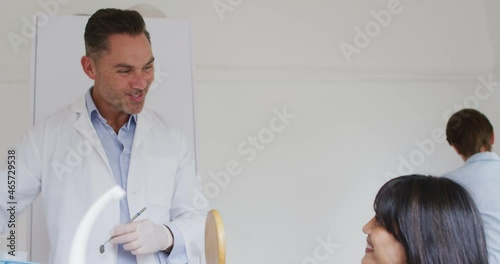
480,175
118,148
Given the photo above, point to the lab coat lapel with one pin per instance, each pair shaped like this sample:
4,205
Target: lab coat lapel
144,125
84,126
98,184
137,168
136,186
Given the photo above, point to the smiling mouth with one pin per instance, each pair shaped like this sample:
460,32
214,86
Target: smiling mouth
369,247
137,97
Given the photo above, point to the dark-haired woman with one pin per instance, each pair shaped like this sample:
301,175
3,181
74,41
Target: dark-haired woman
424,220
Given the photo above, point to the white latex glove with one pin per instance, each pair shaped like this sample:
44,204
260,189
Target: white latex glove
142,237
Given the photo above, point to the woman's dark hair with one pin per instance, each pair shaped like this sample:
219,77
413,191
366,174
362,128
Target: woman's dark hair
434,218
108,21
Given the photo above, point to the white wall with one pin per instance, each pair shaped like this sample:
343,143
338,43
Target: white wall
493,24
318,177
354,121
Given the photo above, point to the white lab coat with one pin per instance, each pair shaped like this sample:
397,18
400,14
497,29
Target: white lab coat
62,158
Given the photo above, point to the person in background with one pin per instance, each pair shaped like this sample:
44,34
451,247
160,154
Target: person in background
122,143
424,220
470,133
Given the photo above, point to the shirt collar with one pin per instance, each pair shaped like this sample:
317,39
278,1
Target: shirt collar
92,110
487,155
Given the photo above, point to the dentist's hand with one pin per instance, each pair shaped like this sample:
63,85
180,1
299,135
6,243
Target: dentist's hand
142,237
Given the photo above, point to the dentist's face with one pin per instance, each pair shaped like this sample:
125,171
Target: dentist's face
382,247
123,74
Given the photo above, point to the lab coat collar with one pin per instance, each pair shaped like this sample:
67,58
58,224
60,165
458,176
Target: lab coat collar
144,124
84,125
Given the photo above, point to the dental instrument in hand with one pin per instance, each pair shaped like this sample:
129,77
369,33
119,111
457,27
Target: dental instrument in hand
101,248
